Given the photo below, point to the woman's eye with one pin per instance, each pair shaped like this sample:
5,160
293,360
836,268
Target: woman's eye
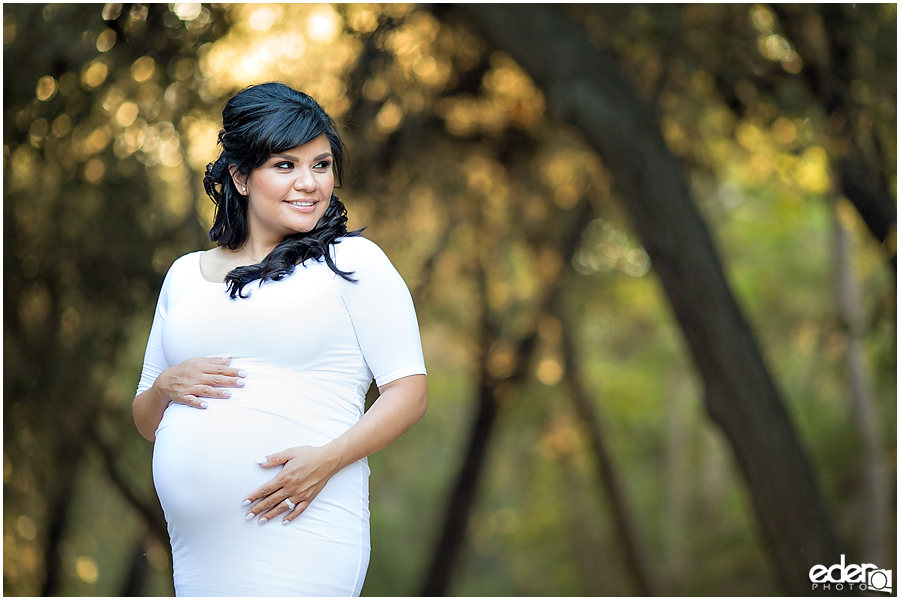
323,165
284,165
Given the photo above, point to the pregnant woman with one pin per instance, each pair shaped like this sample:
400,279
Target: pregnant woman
259,359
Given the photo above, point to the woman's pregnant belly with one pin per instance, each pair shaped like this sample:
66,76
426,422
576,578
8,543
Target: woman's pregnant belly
205,460
205,464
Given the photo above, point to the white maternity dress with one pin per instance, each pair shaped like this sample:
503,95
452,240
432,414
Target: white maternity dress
310,345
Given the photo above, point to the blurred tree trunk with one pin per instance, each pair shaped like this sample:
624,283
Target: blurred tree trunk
585,88
824,37
58,505
491,391
626,531
874,524
136,579
149,509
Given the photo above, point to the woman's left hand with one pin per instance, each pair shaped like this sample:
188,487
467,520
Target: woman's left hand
306,471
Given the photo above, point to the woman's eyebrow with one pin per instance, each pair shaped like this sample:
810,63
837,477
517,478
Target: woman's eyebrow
295,159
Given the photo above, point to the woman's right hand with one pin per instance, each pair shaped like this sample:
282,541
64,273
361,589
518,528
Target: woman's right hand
197,378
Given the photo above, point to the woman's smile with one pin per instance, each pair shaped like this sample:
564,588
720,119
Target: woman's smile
305,206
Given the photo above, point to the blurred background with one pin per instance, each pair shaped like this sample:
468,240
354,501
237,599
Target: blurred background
567,449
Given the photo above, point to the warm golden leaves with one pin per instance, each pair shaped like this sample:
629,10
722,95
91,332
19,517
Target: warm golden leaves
676,138
24,162
26,528
111,11
749,136
549,371
550,368
94,170
130,140
605,247
86,569
510,99
94,74
419,59
501,360
773,46
262,19
762,18
96,141
187,11
812,171
560,439
570,172
38,131
389,117
792,63
323,24
361,18
266,44
461,114
485,177
106,40
9,29
200,140
126,114
46,88
143,68
784,131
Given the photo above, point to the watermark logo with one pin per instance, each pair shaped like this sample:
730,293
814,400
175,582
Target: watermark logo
859,577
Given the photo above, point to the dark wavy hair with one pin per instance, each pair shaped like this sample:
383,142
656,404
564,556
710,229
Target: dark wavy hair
257,122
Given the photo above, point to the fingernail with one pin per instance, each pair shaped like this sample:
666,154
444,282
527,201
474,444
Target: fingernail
226,393
241,382
203,405
285,522
242,373
262,460
245,503
249,517
263,520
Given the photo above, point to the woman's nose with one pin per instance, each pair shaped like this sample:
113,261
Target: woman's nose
305,181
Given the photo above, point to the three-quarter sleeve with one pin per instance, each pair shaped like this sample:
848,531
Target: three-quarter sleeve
154,359
381,310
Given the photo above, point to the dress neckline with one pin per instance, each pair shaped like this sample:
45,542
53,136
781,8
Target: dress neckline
200,271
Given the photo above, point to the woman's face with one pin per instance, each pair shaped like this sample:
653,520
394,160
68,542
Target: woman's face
289,193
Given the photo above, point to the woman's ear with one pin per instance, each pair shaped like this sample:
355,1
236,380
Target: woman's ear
240,181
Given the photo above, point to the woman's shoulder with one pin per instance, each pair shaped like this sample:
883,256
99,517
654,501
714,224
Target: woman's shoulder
359,254
183,267
186,262
357,248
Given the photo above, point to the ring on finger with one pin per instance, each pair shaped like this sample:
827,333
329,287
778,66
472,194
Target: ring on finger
290,504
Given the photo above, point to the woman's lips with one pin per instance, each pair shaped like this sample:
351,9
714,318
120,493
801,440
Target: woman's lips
303,205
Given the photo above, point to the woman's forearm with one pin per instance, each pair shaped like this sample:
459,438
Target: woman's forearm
147,409
399,406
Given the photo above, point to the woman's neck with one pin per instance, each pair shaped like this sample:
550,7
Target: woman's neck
256,250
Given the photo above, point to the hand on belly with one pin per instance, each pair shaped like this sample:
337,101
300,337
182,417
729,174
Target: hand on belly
305,471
